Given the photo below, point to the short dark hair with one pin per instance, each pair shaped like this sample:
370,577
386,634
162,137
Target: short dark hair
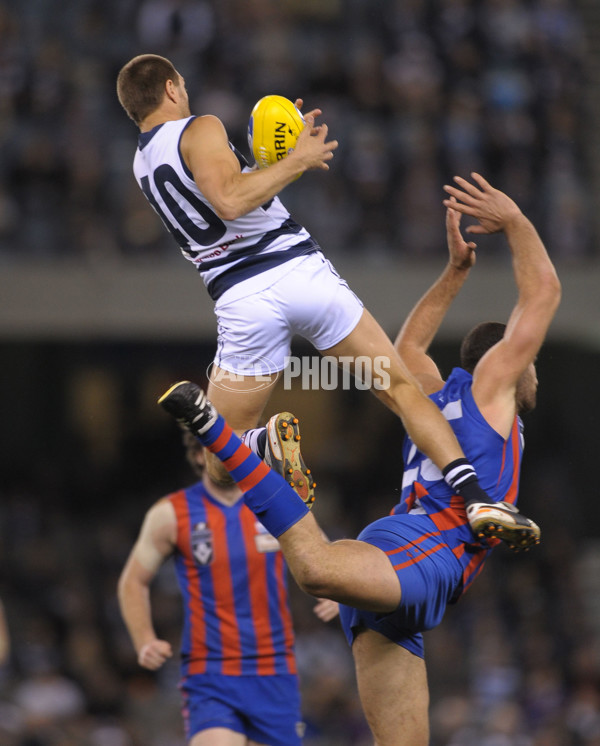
141,84
478,341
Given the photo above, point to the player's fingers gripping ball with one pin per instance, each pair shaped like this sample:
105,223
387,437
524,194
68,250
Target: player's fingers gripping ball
273,129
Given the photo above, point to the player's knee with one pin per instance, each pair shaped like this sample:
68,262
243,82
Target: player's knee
313,579
401,395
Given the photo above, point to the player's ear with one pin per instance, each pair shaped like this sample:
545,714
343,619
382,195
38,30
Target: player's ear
200,457
171,90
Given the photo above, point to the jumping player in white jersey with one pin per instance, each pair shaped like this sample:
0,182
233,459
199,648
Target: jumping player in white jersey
270,280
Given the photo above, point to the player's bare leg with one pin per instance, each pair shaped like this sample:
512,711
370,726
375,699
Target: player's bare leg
349,571
221,737
241,400
422,419
392,685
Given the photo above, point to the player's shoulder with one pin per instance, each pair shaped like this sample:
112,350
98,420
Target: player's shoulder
205,132
206,123
165,507
160,520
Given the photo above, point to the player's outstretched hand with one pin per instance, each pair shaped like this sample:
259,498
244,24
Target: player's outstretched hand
153,654
312,146
326,610
462,253
492,208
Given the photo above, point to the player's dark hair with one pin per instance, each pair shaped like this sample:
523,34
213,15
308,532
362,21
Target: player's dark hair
141,84
478,341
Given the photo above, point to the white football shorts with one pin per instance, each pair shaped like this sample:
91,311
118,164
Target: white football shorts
255,331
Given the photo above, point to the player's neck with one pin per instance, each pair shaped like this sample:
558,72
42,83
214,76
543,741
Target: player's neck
160,116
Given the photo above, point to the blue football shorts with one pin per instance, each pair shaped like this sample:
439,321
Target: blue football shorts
310,300
429,575
266,709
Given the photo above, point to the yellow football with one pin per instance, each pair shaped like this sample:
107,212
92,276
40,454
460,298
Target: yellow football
273,129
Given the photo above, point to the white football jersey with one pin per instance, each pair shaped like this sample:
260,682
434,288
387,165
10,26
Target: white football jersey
225,252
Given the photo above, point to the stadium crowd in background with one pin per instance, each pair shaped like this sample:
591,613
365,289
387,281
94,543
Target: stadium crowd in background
414,92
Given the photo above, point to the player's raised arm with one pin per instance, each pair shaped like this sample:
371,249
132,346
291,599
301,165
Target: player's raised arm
205,149
499,372
154,544
423,322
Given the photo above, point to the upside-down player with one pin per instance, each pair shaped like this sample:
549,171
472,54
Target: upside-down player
270,280
396,580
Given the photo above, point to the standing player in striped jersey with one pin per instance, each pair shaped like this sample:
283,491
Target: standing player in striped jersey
269,278
396,580
239,680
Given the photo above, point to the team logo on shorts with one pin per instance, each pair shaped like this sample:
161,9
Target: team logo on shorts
202,544
232,369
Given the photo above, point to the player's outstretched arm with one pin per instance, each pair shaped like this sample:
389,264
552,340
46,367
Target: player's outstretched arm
154,544
205,149
423,322
498,372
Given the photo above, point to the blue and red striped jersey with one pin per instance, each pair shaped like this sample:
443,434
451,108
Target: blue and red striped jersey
497,462
233,579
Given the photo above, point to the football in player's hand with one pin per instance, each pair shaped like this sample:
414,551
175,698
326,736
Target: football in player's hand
273,129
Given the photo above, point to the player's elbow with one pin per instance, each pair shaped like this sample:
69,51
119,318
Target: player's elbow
550,289
401,347
228,207
557,289
127,585
227,212
406,349
122,587
539,303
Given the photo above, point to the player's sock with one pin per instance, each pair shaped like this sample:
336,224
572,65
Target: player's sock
489,519
266,493
462,478
256,440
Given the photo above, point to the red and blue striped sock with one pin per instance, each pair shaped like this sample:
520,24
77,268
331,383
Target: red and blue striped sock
266,493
